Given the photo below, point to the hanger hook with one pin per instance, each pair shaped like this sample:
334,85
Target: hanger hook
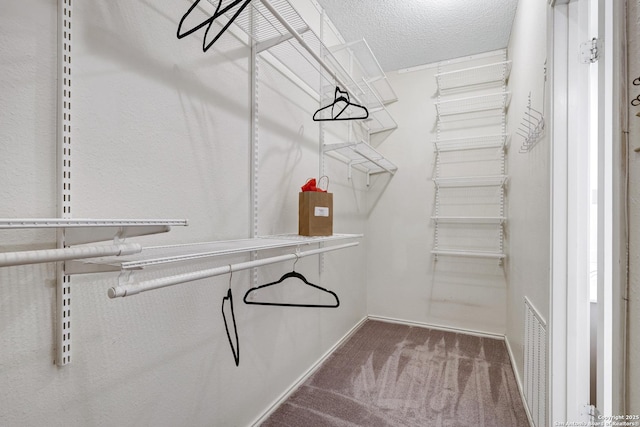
230,275
296,261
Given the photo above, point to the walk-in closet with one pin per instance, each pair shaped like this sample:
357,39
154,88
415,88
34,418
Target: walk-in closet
317,213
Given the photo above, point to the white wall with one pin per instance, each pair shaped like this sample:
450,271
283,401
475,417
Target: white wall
160,130
528,227
633,332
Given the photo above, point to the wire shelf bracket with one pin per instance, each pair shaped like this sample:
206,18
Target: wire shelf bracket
362,156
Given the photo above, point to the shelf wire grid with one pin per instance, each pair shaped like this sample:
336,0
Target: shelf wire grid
269,31
266,28
470,143
370,68
474,76
159,255
495,102
363,157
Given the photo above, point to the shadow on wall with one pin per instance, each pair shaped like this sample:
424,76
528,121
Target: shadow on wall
111,33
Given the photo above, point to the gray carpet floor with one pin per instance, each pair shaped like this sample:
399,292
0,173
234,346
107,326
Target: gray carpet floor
388,374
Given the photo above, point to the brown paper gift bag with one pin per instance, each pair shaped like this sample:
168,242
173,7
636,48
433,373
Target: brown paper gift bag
315,213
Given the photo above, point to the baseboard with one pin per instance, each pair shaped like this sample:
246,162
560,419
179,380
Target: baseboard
306,374
516,374
438,327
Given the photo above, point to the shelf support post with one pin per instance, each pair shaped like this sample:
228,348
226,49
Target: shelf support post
254,67
63,281
502,168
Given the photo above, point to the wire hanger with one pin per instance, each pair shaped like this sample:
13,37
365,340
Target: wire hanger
235,350
340,104
293,274
209,21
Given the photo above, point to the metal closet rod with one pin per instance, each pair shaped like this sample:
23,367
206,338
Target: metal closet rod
148,285
65,254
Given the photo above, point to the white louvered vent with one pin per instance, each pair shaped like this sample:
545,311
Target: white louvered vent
535,364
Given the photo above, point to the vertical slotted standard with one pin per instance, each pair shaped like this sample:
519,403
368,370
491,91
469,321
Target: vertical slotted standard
255,159
321,128
63,315
535,364
436,209
503,169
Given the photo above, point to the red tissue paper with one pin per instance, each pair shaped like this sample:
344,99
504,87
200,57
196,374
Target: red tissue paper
311,185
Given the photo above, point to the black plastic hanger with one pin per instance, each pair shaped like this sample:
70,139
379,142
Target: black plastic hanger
341,99
295,275
245,3
209,21
197,27
235,350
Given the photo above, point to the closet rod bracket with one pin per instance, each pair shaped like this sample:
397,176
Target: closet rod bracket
125,279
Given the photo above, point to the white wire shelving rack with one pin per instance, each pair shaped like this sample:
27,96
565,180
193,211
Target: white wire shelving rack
367,79
469,219
493,104
481,81
361,156
480,75
471,181
366,68
279,31
469,254
471,143
280,35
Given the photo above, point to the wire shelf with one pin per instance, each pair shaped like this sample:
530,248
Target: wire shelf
161,255
83,230
470,254
362,156
470,143
301,58
269,33
472,181
474,76
15,223
498,220
367,67
494,103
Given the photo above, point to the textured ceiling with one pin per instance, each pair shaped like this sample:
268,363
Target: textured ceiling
407,33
